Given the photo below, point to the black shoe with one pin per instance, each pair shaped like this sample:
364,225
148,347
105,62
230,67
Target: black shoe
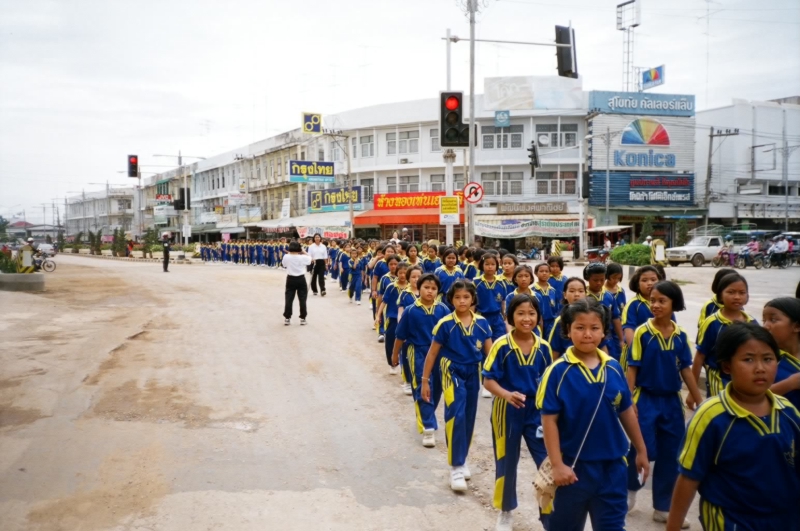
323,294
315,293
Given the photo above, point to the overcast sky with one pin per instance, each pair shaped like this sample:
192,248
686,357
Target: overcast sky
83,83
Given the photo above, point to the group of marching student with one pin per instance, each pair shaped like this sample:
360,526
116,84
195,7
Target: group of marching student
264,253
593,381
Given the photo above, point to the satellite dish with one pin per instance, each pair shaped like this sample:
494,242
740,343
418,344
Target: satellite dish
544,140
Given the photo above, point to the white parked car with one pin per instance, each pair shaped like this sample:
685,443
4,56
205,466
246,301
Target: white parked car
697,252
46,248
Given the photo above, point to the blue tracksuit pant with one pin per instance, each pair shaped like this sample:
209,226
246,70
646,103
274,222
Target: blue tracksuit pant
497,323
344,279
355,285
461,384
425,411
509,427
599,493
662,423
391,329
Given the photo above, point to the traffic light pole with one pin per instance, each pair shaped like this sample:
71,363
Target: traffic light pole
470,236
449,158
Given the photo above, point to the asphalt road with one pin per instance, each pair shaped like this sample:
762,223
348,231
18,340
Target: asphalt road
133,399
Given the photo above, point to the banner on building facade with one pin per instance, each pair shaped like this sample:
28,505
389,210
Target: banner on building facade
413,200
161,213
226,221
334,199
249,214
325,232
304,171
208,217
643,189
640,103
491,227
236,199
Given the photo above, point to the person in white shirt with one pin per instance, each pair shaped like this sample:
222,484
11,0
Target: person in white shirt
319,255
648,241
607,243
295,261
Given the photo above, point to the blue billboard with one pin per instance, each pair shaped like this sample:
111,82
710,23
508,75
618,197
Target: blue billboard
304,171
642,189
334,199
605,102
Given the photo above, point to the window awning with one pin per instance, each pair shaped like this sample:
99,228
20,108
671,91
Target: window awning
411,216
324,219
609,228
232,230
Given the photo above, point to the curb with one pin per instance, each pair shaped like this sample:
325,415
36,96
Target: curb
128,259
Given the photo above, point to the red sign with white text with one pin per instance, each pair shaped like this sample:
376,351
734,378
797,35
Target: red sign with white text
412,200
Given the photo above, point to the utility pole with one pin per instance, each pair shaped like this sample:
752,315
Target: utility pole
470,224
711,136
608,173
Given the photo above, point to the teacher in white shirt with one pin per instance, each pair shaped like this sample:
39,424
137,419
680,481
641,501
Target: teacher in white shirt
319,256
295,262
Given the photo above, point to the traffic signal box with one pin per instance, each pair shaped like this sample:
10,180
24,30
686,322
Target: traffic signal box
133,166
454,132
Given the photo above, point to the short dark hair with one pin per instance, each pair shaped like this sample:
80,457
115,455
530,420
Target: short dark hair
733,336
539,266
633,284
673,292
413,268
489,256
448,251
517,301
295,247
509,255
726,281
595,268
404,245
441,249
556,260
613,269
477,254
718,276
519,269
587,306
465,285
392,258
789,306
569,281
402,265
429,277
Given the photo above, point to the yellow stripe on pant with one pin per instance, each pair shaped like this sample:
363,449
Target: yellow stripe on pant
449,397
499,431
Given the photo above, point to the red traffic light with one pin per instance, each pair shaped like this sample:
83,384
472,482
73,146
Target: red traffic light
134,160
452,103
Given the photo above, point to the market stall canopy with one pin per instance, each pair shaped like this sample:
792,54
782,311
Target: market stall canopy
325,219
609,228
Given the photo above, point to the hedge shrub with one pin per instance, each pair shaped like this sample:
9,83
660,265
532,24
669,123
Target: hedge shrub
631,254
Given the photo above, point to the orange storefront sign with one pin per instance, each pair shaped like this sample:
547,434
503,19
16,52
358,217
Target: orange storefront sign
412,200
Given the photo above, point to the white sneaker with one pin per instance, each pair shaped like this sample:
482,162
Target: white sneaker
394,370
485,393
504,521
287,321
466,472
632,500
359,303
381,338
457,482
350,301
302,322
407,389
428,439
661,518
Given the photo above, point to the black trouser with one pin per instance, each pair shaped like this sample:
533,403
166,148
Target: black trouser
295,285
318,275
166,261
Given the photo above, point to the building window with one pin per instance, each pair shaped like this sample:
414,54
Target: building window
435,147
336,153
367,146
776,190
354,150
499,137
367,189
438,184
223,181
511,183
566,137
549,183
409,142
391,185
391,143
321,154
569,135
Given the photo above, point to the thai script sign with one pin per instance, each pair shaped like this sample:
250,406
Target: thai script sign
412,200
549,207
641,103
516,228
325,232
303,171
625,189
334,199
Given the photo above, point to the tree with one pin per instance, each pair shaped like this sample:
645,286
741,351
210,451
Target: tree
76,243
62,244
683,232
3,225
150,240
647,229
48,239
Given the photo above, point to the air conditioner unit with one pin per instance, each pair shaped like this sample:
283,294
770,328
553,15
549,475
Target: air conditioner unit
403,161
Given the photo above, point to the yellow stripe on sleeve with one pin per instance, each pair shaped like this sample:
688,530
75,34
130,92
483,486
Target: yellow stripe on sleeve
636,350
705,414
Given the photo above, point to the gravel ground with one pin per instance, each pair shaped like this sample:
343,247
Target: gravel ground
133,399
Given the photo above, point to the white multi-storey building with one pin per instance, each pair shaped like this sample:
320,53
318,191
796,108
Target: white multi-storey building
106,210
755,174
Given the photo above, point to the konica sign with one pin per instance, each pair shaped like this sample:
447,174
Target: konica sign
663,144
641,103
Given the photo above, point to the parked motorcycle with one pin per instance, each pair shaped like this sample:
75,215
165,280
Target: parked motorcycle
747,258
597,255
534,254
776,259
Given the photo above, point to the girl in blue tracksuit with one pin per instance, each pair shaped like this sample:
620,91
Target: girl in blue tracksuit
387,309
491,294
413,340
449,272
659,364
512,373
574,290
344,268
637,311
357,267
588,456
713,305
782,320
548,304
460,341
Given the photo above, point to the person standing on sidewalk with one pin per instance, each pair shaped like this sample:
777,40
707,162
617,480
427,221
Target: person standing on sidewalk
165,250
319,256
295,262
